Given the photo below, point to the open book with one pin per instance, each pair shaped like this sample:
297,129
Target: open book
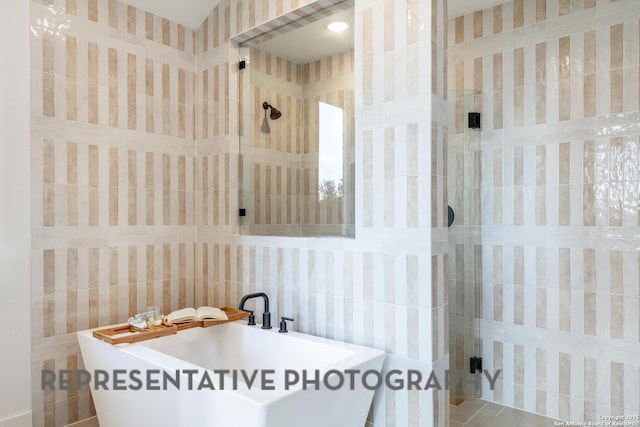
190,314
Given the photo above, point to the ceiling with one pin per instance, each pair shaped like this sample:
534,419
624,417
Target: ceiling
312,41
191,13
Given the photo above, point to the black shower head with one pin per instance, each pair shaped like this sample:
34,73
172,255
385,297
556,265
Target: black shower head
275,113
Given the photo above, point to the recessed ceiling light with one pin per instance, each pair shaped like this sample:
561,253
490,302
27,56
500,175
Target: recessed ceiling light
337,27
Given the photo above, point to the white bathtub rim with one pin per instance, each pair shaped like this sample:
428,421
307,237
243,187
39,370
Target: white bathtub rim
360,356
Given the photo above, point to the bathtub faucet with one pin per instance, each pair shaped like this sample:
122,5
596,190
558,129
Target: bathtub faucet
266,316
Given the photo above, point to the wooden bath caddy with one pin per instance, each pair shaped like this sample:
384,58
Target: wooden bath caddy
127,334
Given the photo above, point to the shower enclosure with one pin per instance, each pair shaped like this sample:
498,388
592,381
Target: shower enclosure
298,165
465,187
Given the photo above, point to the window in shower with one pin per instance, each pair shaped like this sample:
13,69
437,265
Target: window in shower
330,153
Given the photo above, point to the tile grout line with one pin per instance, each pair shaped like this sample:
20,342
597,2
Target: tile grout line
475,413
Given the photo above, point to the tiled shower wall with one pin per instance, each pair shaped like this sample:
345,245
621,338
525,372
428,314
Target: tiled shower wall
113,178
280,167
385,288
556,263
271,168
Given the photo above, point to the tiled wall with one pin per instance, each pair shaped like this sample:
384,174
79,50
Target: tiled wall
135,188
113,178
552,180
280,163
271,149
385,288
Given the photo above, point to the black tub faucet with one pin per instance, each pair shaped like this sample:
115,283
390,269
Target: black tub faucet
266,316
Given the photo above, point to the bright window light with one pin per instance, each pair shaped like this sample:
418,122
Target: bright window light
331,134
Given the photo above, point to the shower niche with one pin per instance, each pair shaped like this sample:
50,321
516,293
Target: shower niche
297,124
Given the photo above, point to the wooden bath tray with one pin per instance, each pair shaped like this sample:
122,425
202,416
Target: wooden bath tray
233,314
126,334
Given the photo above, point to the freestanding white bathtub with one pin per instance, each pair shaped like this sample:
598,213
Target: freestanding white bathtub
234,347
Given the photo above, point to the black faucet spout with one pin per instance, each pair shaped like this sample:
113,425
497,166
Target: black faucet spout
266,316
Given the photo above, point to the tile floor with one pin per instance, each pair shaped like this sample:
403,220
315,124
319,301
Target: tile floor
481,413
470,413
91,422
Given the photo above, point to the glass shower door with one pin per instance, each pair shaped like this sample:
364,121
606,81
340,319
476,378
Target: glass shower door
464,186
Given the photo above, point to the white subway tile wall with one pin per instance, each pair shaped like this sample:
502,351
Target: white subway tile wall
547,195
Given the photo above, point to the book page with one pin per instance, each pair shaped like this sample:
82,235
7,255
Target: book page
211,313
183,315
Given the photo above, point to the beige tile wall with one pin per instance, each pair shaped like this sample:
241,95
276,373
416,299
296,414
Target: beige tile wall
280,167
113,178
135,188
272,172
385,288
550,189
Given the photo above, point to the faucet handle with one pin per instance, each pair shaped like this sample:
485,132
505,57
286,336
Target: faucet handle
252,318
283,324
